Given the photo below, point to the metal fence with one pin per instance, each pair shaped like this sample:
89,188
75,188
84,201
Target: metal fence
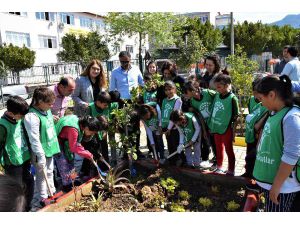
42,74
50,74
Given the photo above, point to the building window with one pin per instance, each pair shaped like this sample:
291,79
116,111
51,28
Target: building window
17,39
86,22
129,48
47,41
99,24
19,13
117,48
67,18
45,16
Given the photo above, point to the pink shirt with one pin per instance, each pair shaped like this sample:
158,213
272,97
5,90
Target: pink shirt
61,102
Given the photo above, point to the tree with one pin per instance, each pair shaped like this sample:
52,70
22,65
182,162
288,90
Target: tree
256,38
156,26
194,39
16,59
241,72
83,48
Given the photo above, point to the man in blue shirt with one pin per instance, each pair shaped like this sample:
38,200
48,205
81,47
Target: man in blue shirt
292,68
125,77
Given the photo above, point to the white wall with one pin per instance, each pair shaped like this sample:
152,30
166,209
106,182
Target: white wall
29,24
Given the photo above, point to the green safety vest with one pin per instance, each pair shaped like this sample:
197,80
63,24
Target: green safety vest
221,114
69,121
167,108
149,96
152,123
106,113
189,129
16,145
258,111
48,136
203,106
269,149
252,103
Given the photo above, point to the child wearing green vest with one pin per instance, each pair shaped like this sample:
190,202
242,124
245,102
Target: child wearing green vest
201,102
277,165
253,101
103,107
149,90
150,115
40,128
190,136
257,116
170,103
71,130
222,123
14,147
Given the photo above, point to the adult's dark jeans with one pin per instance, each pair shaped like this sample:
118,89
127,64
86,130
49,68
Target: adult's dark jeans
24,177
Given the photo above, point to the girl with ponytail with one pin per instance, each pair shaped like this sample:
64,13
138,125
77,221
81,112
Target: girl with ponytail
277,167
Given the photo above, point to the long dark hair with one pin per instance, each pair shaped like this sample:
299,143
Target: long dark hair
281,85
215,59
144,109
168,65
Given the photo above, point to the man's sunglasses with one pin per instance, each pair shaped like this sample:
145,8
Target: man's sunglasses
124,62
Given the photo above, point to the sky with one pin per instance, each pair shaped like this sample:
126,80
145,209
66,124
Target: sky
265,17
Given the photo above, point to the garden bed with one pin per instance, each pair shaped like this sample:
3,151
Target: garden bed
159,189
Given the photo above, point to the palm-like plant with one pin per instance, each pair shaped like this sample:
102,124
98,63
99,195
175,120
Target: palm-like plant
114,178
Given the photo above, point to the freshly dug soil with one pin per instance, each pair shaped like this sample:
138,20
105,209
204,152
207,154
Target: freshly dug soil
147,194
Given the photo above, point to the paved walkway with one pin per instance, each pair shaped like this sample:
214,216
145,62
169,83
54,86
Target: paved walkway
240,153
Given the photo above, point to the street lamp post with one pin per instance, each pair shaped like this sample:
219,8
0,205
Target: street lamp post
231,34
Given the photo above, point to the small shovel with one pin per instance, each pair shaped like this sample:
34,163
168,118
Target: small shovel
163,161
100,172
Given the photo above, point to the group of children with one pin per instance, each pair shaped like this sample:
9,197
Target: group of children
37,141
205,122
208,124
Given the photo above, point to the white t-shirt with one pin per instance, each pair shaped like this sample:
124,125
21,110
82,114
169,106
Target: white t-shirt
291,150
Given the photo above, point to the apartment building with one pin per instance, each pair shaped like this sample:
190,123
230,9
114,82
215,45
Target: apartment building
42,32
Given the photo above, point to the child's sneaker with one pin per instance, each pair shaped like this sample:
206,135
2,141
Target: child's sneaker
205,164
219,171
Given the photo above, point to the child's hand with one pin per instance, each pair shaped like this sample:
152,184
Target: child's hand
55,118
274,194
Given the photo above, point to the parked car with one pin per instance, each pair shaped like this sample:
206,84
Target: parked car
20,90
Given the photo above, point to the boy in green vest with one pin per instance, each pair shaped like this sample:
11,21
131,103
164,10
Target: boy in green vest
253,101
103,107
189,131
71,130
14,148
150,115
201,102
40,128
222,123
257,116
